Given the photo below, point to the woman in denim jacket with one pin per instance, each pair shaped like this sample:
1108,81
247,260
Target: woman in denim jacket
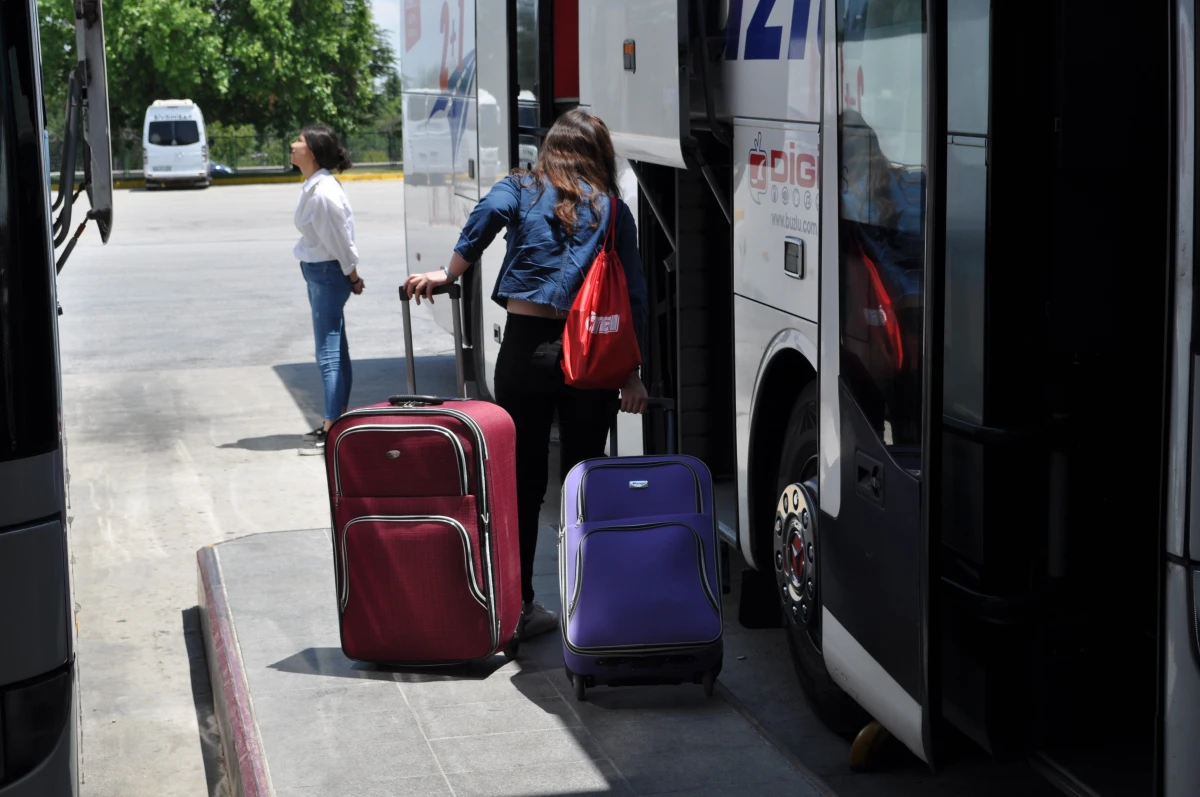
556,218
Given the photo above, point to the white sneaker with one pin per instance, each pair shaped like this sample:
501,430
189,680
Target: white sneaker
314,445
536,619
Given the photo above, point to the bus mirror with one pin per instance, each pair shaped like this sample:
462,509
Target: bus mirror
97,146
87,119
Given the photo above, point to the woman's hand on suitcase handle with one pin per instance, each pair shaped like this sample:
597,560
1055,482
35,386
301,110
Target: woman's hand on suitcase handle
419,285
633,395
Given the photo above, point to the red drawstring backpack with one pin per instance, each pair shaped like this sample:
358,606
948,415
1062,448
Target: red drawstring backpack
599,345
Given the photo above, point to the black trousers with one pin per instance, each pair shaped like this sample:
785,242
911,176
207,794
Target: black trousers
530,388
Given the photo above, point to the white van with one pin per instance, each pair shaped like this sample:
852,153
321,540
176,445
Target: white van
174,144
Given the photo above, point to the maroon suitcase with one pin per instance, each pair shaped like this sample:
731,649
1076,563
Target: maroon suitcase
423,498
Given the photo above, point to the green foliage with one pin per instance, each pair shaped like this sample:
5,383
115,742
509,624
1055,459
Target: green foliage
272,65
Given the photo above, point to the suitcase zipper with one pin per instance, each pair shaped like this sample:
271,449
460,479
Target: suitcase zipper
462,532
712,601
580,501
460,454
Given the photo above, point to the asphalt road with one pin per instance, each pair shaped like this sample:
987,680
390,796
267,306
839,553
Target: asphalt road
187,354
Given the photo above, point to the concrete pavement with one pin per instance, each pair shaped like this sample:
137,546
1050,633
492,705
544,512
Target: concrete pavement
188,379
187,353
324,725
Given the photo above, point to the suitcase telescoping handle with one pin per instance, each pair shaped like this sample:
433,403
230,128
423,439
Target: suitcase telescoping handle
454,291
667,406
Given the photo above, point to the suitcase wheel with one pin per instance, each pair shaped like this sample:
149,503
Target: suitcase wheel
710,682
512,650
580,688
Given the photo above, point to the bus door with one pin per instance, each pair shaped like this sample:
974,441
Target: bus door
528,73
878,321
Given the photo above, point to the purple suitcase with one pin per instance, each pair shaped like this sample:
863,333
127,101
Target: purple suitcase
638,572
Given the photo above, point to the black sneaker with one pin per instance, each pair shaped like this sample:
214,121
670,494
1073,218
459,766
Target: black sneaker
314,433
315,444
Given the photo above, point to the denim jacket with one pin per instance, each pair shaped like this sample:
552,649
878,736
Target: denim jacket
542,264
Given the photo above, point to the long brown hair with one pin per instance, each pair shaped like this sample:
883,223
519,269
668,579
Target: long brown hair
577,148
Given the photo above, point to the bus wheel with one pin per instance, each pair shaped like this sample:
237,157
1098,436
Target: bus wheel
796,553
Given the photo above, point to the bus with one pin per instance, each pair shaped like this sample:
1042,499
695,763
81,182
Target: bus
39,707
951,407
175,145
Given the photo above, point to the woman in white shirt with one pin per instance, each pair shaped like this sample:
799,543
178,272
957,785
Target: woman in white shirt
329,261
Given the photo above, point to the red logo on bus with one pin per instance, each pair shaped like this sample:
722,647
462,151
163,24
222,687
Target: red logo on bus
785,169
412,23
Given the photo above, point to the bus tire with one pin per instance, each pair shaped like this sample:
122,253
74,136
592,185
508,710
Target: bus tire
797,465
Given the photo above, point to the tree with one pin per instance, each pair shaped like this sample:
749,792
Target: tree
299,61
58,57
385,106
275,64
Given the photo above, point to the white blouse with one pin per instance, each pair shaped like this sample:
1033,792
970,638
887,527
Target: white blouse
325,222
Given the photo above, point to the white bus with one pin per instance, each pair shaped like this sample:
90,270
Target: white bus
174,145
950,406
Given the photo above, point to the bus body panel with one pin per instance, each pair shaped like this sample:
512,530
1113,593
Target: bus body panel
645,108
771,66
441,141
870,684
966,240
495,139
1184,259
33,575
776,205
58,773
29,489
436,36
761,333
829,467
1181,679
770,69
871,325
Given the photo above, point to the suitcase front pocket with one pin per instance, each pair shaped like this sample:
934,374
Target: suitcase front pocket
399,461
615,491
410,591
642,587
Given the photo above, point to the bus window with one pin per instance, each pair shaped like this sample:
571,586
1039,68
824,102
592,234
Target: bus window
174,134
28,360
967,54
527,62
882,202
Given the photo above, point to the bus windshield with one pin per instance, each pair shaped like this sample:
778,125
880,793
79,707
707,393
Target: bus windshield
174,134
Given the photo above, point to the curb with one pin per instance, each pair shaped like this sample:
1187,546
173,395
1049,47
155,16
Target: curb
801,769
265,179
241,743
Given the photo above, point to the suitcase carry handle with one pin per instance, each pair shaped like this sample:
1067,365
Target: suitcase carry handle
667,406
432,401
454,291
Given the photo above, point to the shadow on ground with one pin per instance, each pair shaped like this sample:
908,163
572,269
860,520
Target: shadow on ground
374,381
202,698
271,442
332,662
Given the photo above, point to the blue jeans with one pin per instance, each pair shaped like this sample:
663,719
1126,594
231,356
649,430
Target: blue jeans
328,290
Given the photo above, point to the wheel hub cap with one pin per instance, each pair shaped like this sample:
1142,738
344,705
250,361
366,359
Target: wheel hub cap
795,555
